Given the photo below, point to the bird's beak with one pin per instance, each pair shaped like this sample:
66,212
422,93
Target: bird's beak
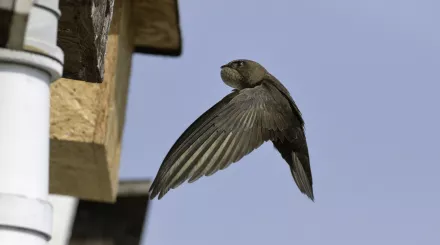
223,66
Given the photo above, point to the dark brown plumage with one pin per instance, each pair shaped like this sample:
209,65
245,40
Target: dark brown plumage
259,109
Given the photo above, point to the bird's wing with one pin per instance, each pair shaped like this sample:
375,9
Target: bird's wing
231,129
294,148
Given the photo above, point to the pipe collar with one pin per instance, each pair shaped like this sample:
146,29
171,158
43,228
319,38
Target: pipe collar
42,29
26,214
50,65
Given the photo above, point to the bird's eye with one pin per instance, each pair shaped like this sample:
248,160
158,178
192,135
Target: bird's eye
240,63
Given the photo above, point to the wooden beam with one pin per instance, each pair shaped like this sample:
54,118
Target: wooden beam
157,27
119,223
87,120
83,28
82,34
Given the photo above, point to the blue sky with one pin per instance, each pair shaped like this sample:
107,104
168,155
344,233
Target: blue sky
366,76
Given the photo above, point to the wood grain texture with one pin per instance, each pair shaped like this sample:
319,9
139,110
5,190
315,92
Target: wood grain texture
157,28
87,120
84,25
82,34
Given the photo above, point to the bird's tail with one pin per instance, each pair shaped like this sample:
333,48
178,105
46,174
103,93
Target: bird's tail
299,163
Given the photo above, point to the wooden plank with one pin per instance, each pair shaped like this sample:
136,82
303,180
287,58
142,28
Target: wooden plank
134,187
157,27
82,34
83,28
119,223
87,120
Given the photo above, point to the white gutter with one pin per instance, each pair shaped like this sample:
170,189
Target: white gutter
25,213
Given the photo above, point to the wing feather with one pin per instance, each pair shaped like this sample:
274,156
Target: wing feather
231,129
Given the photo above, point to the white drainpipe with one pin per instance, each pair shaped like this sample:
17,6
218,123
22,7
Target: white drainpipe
25,213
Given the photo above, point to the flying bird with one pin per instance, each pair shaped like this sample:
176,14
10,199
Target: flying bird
258,109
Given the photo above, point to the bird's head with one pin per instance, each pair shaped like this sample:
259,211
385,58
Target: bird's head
242,73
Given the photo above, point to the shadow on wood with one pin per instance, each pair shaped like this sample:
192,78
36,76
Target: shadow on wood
120,223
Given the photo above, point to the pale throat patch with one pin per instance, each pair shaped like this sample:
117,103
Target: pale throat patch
231,77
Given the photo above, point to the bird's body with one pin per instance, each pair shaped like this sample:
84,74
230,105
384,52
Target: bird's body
259,109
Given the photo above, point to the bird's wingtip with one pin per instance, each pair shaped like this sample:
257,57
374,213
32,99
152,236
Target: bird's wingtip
151,196
311,197
152,192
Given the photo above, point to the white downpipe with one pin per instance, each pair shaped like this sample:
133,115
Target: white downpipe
25,213
64,212
24,147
